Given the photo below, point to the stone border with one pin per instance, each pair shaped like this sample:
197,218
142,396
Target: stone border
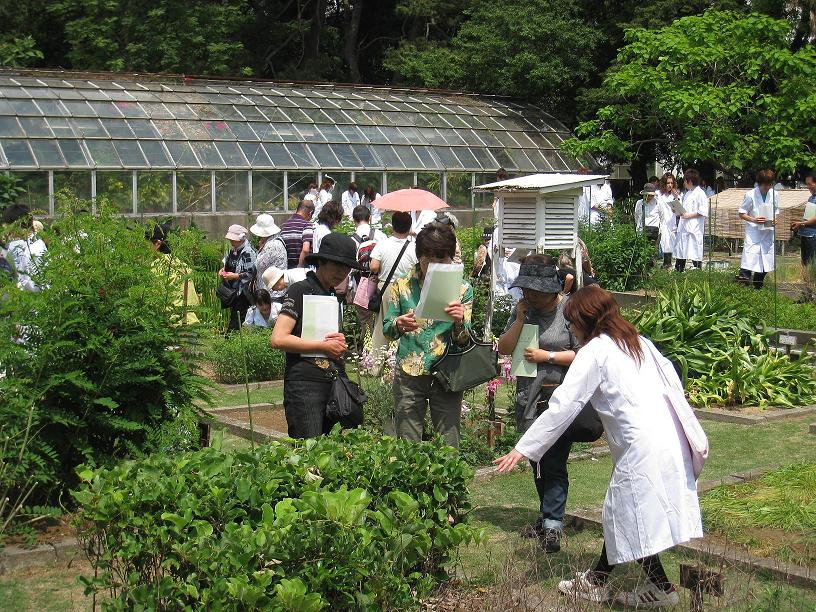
15,557
781,414
241,428
265,384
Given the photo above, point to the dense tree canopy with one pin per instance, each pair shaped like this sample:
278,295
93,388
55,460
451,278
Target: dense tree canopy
720,87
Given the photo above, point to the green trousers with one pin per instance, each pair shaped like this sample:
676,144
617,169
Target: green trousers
413,395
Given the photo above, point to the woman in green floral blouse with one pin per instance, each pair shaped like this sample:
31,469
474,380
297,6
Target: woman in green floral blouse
423,341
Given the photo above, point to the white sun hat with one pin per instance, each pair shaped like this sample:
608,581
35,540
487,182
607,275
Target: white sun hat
265,226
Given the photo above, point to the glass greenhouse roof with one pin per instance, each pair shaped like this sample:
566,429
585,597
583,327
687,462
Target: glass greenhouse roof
55,121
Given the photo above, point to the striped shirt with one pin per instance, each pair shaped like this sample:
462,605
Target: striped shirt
295,231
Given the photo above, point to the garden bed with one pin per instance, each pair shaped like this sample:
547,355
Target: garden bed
268,422
752,415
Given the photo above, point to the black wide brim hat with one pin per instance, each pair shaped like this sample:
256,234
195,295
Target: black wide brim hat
338,248
538,277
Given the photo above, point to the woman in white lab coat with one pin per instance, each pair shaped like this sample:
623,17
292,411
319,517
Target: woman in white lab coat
657,445
691,227
758,249
668,221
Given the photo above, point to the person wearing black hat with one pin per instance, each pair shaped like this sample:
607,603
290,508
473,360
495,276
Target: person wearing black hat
543,305
306,386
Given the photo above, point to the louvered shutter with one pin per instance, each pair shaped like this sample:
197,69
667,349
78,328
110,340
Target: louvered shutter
559,222
519,214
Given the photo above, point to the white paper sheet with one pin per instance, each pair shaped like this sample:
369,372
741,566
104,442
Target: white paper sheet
766,210
810,210
443,285
320,318
528,338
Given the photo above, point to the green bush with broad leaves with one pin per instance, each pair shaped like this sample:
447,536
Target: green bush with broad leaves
351,520
722,357
245,356
93,363
623,257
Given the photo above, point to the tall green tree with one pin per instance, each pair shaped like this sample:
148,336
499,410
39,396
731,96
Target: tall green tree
154,35
720,88
538,50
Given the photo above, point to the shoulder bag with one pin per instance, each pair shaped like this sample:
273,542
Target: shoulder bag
226,294
471,367
346,399
375,302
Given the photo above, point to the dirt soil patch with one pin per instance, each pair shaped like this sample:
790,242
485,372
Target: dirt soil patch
268,418
45,532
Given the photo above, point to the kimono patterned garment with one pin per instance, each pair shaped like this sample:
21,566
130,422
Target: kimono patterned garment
690,232
651,504
417,351
758,250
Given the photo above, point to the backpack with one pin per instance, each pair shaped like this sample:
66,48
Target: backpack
365,246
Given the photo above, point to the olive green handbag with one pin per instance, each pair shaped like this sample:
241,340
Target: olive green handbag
468,368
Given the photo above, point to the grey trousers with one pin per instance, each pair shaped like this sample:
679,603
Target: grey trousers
413,395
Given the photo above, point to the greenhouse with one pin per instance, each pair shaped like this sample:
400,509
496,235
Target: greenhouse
174,145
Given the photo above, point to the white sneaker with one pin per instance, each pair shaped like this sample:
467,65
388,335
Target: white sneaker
648,596
581,588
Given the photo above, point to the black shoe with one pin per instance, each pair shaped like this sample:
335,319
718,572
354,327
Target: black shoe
533,530
550,540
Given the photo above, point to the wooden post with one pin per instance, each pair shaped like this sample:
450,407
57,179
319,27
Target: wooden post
203,434
700,581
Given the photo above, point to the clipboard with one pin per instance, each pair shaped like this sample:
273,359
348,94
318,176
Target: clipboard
677,207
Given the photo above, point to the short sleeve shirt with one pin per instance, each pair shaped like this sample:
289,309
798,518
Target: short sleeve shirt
295,231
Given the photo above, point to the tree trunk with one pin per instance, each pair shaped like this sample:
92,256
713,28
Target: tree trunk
312,47
354,12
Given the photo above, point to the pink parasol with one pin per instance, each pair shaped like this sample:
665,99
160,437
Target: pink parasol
407,200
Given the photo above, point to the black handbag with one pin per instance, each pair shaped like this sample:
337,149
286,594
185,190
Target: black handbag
586,427
471,367
346,400
226,294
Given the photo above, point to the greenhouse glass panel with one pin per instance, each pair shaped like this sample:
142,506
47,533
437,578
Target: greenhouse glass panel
155,154
332,133
181,111
368,179
274,114
231,153
193,191
484,199
88,128
207,154
522,162
35,191
73,153
227,111
409,158
337,116
373,134
503,159
447,157
432,136
341,182
130,153
143,128
488,138
358,117
300,155
242,131
297,115
287,132
298,185
182,154
169,129
428,159
419,120
103,153
279,156
76,184
538,160
256,156
28,108
156,110
556,161
470,138
387,156
412,134
117,128
35,127
217,130
541,141
50,108
232,191
47,154
399,180
154,192
267,191
345,156
505,138
309,132
393,135
524,140
458,195
17,153
115,188
430,181
265,131
457,121
10,128
484,158
105,109
476,123
367,157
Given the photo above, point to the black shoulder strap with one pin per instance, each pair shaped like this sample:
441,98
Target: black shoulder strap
396,263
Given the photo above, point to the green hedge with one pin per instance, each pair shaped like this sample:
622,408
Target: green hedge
623,258
248,351
351,520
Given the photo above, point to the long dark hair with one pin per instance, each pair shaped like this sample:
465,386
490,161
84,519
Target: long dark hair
596,312
331,214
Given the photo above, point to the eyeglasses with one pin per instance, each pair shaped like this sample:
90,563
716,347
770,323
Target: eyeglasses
568,325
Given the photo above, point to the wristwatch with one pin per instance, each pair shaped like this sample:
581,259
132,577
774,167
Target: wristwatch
551,358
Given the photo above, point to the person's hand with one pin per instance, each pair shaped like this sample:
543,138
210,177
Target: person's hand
796,225
509,461
407,323
688,216
522,308
760,220
456,311
534,355
334,346
222,272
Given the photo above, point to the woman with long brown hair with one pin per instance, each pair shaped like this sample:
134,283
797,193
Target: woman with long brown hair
656,442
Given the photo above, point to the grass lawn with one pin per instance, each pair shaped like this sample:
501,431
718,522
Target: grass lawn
262,395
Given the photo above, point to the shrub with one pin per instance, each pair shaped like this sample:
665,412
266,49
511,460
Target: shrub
622,257
89,366
245,356
346,521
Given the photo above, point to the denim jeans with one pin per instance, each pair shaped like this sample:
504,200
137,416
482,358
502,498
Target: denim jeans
552,483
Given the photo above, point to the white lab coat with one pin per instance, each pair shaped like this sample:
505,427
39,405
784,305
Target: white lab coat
651,504
668,221
26,255
651,214
350,201
758,249
324,196
599,196
690,232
